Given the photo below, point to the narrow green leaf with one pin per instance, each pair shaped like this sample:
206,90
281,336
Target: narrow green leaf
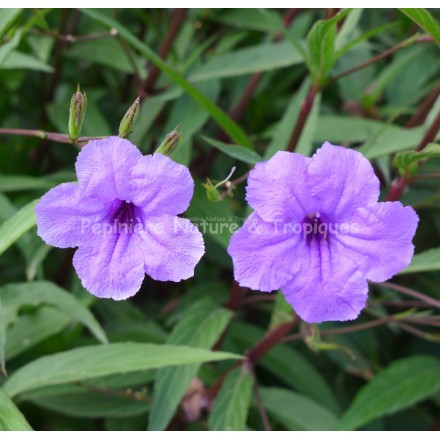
281,312
8,47
19,60
424,19
225,122
399,386
7,17
11,419
15,296
200,326
103,360
23,183
427,261
297,412
231,405
321,44
12,229
408,161
236,151
261,58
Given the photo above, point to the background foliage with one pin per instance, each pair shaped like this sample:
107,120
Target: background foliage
205,354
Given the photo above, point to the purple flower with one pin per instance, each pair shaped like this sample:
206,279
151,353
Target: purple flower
122,214
318,232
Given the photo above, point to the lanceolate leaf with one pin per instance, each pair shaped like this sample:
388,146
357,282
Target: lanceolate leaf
399,386
236,151
424,262
200,326
425,20
231,405
11,419
103,360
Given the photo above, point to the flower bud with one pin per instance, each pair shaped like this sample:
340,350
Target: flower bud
171,142
129,119
78,106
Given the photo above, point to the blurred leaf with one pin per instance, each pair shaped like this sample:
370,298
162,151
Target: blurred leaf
15,296
297,412
228,125
348,28
236,151
22,183
200,326
231,406
424,19
12,229
11,419
408,161
249,18
106,52
88,401
19,60
32,328
260,58
2,339
283,130
7,17
7,48
95,361
394,388
424,262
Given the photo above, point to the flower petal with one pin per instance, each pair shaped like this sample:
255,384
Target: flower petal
63,214
171,247
161,186
341,180
265,257
329,287
103,168
381,240
277,189
111,265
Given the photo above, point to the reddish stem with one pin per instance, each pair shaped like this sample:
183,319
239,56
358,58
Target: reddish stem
177,19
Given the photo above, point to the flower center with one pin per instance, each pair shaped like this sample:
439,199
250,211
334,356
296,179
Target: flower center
314,228
126,214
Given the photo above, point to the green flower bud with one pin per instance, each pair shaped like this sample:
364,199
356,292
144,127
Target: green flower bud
78,106
171,142
129,119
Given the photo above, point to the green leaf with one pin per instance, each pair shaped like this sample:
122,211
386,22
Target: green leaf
297,412
15,296
427,261
261,58
2,339
399,386
424,19
12,229
408,161
7,17
231,405
11,419
225,122
96,361
283,130
200,326
281,312
19,60
236,151
23,183
8,47
321,44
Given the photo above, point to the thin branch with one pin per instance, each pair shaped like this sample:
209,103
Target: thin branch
261,408
411,292
381,56
49,135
